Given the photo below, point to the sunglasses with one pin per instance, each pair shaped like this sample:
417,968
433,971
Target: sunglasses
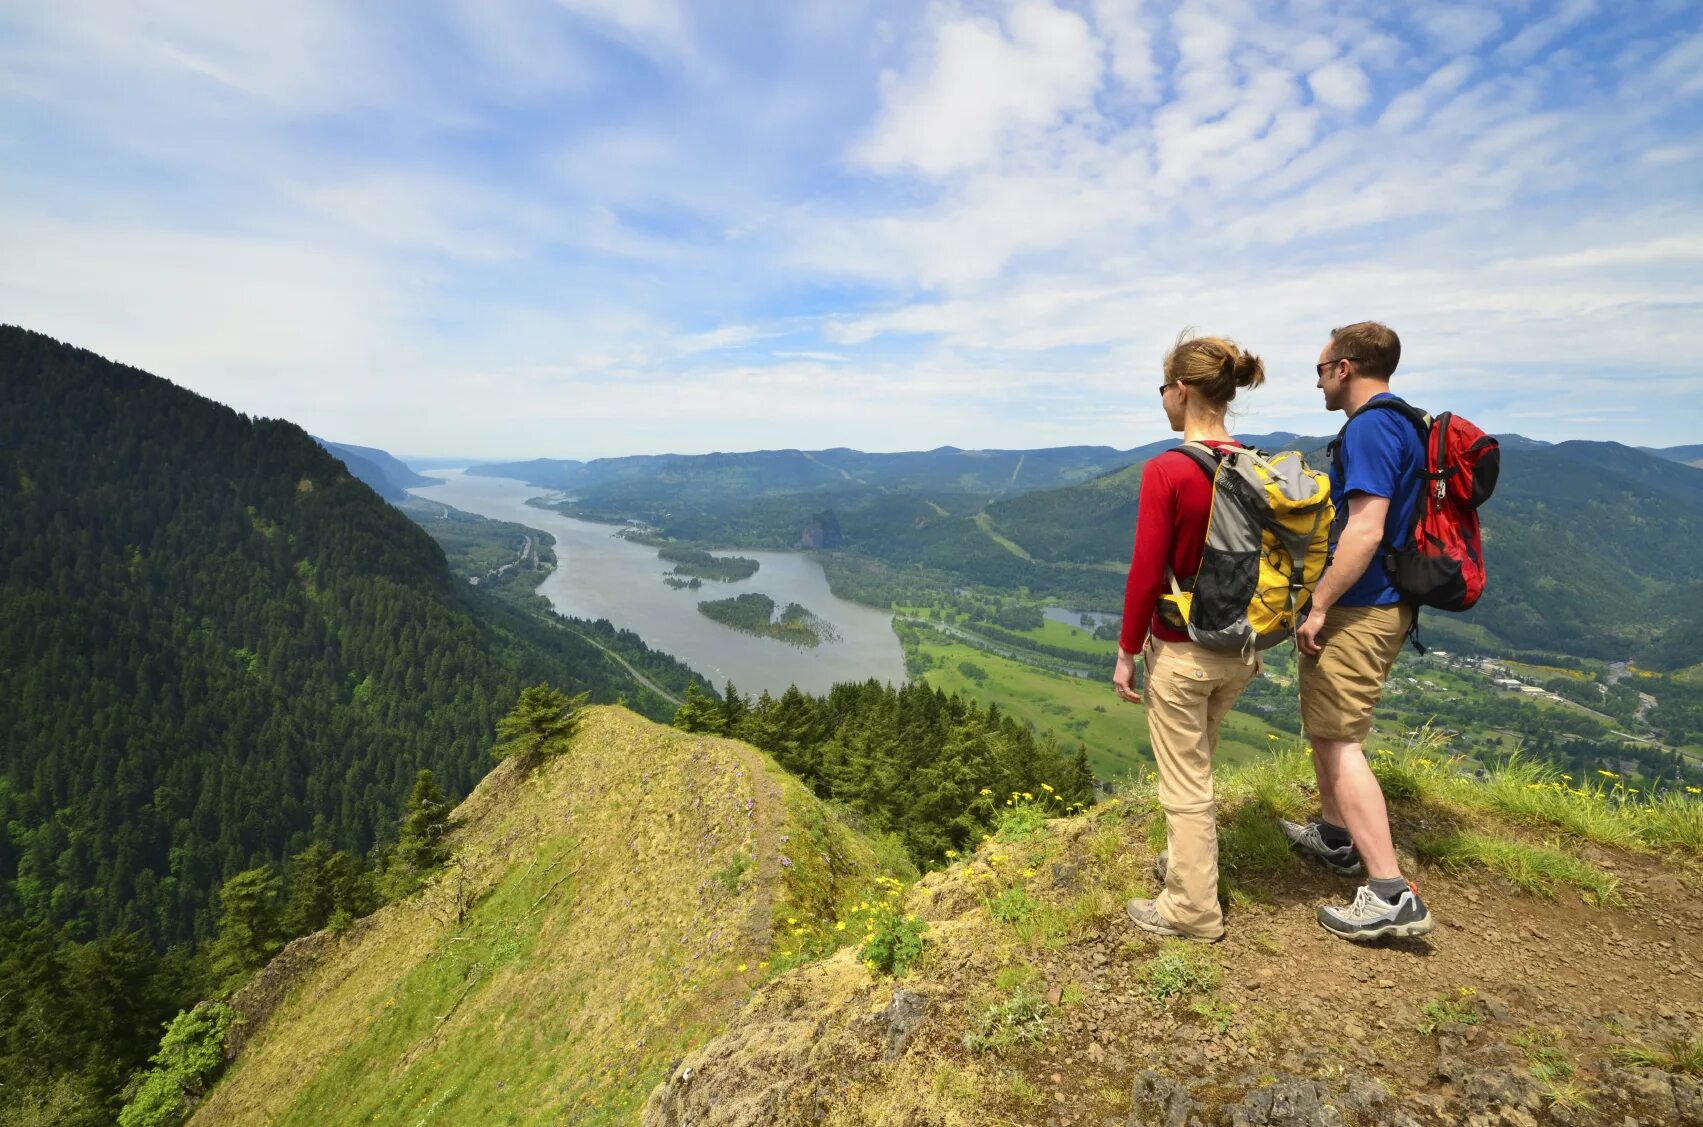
1320,368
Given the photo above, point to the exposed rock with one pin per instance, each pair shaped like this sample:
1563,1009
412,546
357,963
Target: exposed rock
1291,1102
1159,1101
901,1017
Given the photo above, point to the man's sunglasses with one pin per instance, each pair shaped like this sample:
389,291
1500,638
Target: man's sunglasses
1320,368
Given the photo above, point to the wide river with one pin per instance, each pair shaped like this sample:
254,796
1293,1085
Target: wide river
601,575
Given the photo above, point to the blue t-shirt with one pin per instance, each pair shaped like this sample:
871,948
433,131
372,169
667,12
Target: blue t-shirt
1382,456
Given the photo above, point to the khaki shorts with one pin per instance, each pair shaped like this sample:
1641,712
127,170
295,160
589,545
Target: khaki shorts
1341,687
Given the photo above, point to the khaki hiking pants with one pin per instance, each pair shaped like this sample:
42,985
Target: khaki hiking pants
1189,691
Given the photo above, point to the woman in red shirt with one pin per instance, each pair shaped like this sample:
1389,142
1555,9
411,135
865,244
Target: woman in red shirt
1189,689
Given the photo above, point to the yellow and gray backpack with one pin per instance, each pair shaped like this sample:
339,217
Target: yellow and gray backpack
1267,542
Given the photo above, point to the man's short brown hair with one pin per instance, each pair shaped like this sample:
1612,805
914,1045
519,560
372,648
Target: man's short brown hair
1375,348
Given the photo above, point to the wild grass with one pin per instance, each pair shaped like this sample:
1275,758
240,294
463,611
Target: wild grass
1533,868
1020,1019
1217,1012
1600,809
1444,1010
1674,1055
549,977
1180,968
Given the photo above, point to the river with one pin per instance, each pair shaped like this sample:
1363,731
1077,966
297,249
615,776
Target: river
601,575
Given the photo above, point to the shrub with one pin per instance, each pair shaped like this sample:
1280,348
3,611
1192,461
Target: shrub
894,942
189,1058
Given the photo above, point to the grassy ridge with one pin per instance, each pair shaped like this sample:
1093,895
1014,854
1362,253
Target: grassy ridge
601,913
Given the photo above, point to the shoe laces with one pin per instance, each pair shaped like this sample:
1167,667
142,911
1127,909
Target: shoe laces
1368,905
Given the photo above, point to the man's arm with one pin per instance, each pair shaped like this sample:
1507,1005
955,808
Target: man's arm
1356,548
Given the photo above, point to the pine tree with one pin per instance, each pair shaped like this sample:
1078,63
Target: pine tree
540,723
701,713
248,924
420,845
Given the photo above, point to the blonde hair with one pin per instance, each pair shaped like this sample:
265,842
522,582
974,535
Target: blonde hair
1213,366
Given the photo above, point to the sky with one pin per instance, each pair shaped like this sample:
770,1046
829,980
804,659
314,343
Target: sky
578,228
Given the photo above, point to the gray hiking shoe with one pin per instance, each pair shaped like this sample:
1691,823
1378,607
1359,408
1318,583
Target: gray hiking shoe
1371,917
1343,860
1145,915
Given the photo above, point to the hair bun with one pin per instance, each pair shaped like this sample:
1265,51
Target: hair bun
1249,371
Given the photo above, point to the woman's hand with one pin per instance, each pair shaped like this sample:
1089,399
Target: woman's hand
1123,677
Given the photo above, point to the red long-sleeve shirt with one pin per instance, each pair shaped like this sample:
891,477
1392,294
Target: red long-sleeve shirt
1170,527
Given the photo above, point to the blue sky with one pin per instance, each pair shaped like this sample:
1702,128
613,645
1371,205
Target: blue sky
571,228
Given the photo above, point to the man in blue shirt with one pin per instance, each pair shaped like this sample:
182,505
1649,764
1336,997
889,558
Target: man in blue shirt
1354,629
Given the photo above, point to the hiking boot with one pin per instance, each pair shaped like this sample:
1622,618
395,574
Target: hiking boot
1371,917
1145,915
1162,866
1343,860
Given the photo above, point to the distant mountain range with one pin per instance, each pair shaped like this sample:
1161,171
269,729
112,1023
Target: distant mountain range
389,477
1594,546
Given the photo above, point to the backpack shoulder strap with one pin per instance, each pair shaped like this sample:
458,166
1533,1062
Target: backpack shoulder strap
1400,406
1203,456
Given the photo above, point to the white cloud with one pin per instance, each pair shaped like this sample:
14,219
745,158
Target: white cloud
1535,37
1122,25
1458,28
1340,85
979,85
396,230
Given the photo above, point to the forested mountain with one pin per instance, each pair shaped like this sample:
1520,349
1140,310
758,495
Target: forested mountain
215,644
388,476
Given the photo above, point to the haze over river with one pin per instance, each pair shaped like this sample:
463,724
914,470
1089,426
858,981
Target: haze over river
601,575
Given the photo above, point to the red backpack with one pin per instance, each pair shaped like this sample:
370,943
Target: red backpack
1442,563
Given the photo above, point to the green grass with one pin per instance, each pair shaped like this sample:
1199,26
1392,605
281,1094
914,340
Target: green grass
1021,1019
1600,809
1013,906
1217,1012
1065,636
1022,818
1443,1011
537,979
1533,868
1076,710
1180,968
1676,1055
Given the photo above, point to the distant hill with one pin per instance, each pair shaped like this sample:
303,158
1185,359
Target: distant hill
1690,455
703,477
216,645
603,913
387,476
1589,541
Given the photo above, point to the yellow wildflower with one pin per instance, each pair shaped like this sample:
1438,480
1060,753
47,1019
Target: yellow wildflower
1028,872
985,790
1026,794
1607,774
1046,788
840,925
742,968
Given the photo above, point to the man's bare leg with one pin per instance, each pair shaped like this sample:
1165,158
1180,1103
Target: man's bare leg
1349,796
